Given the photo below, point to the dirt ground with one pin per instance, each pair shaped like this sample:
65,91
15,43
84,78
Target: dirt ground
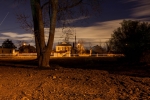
24,82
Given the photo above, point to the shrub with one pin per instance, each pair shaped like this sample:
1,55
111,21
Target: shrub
131,39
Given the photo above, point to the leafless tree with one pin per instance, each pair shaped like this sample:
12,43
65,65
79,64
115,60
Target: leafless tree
68,33
46,13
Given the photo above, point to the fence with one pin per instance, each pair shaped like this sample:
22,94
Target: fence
72,55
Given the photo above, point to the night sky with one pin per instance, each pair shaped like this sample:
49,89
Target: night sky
94,29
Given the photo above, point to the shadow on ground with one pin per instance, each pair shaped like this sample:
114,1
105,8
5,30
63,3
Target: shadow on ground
112,65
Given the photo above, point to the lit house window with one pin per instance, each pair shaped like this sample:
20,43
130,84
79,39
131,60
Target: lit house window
67,48
62,48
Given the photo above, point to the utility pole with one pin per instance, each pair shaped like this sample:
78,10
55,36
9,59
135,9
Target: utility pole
75,38
75,43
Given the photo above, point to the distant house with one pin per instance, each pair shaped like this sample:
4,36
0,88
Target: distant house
4,51
7,48
97,50
27,49
63,49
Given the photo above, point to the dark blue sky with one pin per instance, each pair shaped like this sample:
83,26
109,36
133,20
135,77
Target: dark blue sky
93,28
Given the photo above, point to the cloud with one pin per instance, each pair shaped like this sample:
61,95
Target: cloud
15,37
75,19
141,8
98,32
141,11
3,38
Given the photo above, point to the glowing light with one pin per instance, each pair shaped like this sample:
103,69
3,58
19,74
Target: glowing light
24,43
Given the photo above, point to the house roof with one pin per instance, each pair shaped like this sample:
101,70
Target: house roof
6,48
64,44
61,51
27,47
97,47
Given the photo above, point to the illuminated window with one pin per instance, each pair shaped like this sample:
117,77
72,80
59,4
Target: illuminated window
62,48
67,48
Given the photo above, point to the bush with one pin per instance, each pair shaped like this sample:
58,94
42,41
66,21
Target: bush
131,39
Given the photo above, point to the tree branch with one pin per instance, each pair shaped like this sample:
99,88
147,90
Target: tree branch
22,18
64,8
46,3
70,6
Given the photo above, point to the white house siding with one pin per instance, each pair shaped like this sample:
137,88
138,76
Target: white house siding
63,50
7,51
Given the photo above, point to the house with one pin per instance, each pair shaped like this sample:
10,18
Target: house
7,48
27,49
63,50
7,51
97,50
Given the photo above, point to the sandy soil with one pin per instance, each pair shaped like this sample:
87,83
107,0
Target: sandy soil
64,83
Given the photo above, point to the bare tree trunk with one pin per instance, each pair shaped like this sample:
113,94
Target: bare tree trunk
37,47
44,60
39,32
53,19
43,51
